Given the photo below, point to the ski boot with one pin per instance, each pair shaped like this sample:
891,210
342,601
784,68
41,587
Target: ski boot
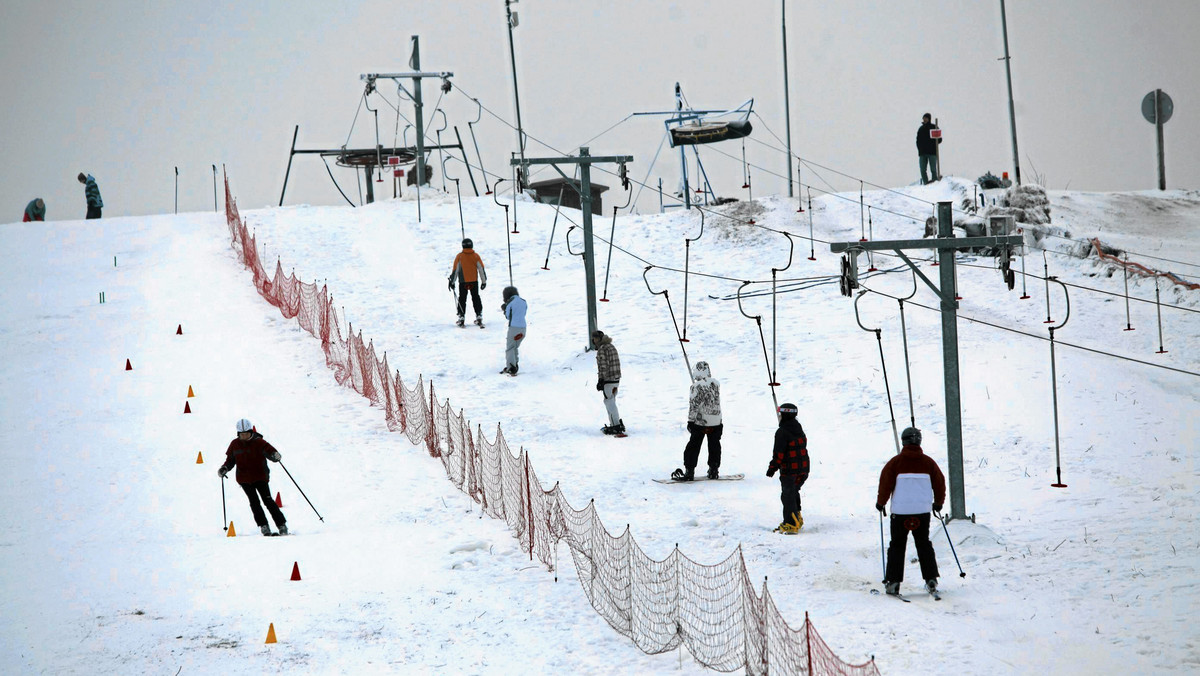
283,529
266,530
931,586
479,321
891,588
461,322
712,473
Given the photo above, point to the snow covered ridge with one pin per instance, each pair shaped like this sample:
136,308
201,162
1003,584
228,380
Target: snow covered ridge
712,610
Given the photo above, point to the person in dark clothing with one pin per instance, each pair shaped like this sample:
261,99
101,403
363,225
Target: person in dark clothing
92,192
35,211
790,459
927,149
250,452
914,483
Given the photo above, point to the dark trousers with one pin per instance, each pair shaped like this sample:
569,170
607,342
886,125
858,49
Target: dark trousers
473,287
93,212
691,452
789,494
254,492
919,525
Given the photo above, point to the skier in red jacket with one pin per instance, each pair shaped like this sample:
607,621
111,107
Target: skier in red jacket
914,483
250,452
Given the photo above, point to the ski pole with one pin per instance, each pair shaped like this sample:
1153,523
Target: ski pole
224,520
310,504
882,560
960,570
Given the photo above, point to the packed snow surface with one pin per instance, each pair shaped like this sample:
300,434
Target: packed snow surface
113,558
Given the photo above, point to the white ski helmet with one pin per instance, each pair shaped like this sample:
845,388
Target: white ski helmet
244,425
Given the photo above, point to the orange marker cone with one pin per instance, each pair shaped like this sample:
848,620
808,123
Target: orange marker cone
187,408
271,634
128,366
179,331
200,458
231,533
278,501
190,392
296,571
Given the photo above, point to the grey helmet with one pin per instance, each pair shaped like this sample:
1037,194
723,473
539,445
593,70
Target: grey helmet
244,425
911,436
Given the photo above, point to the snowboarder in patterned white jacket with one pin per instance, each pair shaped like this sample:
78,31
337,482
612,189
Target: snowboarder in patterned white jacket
704,420
608,366
915,484
250,453
790,459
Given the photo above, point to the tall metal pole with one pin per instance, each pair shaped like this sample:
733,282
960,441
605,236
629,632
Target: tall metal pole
954,448
1158,128
687,193
1012,112
512,56
787,107
589,266
418,107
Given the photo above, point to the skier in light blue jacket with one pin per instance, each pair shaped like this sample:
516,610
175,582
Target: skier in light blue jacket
514,308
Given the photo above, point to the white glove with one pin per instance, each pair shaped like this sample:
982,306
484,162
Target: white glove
275,456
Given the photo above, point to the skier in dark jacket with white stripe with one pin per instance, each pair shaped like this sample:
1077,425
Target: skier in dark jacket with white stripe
915,485
790,459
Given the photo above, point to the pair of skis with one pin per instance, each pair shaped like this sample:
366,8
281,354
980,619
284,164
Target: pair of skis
937,595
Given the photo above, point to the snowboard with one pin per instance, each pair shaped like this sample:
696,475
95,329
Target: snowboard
703,477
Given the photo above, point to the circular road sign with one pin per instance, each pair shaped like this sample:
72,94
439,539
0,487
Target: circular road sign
1168,107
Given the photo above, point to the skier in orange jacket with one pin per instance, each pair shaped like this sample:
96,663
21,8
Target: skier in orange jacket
468,270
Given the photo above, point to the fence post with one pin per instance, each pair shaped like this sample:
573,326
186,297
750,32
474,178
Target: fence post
808,641
528,501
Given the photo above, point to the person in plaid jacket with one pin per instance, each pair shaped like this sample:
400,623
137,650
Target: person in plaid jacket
790,459
608,366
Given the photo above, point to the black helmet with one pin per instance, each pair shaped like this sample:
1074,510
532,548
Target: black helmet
509,292
911,436
467,243
788,409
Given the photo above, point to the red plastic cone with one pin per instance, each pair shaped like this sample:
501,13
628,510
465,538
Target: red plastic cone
278,501
128,366
190,392
187,408
179,331
296,571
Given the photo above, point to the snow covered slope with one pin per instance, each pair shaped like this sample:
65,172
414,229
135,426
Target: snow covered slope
113,561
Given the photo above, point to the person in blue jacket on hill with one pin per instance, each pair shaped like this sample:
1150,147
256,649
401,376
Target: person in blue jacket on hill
514,308
35,211
92,192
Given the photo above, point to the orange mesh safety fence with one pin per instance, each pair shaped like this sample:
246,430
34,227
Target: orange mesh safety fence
713,610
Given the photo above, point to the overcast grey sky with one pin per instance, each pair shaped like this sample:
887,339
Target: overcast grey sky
128,90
